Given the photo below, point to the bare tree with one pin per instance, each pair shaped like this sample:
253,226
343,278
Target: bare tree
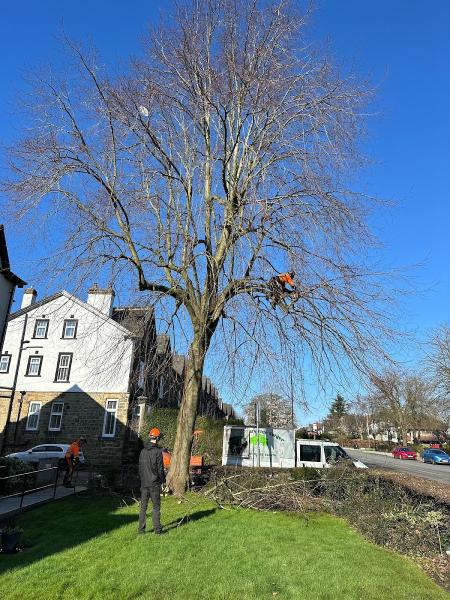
363,409
405,402
439,361
219,159
275,411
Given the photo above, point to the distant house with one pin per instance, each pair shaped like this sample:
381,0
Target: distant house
8,283
315,429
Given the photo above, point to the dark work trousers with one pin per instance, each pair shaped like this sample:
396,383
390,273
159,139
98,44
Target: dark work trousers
69,471
152,493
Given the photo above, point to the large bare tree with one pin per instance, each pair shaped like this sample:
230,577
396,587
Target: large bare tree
405,401
220,158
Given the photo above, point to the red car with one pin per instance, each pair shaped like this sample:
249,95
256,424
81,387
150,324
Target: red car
404,453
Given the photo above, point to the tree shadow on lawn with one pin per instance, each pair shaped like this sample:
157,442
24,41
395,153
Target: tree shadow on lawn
63,525
189,518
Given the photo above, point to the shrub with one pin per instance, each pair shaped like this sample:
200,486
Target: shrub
15,484
208,443
305,474
164,419
419,448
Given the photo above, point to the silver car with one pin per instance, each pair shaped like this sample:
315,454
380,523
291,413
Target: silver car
34,455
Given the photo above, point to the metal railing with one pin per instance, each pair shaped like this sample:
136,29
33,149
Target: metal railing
37,488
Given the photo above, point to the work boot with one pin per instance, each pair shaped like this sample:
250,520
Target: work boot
160,532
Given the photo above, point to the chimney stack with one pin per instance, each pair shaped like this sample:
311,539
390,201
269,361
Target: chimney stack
29,297
101,299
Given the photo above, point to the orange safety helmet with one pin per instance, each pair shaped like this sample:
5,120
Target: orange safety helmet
154,433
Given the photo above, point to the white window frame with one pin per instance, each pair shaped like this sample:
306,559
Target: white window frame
32,360
32,413
68,367
75,327
7,363
41,337
136,417
109,410
56,414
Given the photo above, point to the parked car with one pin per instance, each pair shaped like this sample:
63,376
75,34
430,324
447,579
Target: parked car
404,453
34,455
435,456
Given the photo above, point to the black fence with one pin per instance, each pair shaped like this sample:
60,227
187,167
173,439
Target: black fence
21,485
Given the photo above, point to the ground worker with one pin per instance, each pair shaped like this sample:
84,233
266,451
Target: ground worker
72,457
151,472
278,289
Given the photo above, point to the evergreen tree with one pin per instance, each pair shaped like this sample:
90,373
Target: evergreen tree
339,407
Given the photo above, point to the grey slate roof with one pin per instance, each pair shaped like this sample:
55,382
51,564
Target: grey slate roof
133,319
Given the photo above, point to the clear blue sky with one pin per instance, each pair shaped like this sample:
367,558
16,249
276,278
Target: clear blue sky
403,46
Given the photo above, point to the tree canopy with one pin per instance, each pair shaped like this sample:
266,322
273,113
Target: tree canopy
221,157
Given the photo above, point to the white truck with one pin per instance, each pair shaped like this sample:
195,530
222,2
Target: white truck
278,448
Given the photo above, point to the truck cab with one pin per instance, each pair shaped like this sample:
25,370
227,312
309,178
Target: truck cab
319,454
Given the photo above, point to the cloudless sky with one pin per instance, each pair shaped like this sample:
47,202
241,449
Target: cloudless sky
401,46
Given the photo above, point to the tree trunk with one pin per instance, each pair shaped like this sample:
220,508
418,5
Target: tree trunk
178,476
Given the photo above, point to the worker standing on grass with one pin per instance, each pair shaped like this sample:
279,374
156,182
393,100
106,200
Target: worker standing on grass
151,472
72,457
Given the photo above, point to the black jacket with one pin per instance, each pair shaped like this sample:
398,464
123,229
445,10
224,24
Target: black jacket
151,466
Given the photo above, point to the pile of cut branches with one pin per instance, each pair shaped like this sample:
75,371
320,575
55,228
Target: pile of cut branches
269,491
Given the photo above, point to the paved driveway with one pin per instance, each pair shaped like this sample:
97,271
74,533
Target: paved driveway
439,473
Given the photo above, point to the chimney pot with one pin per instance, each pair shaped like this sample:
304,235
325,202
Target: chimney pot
101,299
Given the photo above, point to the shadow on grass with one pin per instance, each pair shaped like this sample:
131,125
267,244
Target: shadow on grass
63,525
189,518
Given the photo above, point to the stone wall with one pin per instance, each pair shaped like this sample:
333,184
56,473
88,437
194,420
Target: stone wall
83,415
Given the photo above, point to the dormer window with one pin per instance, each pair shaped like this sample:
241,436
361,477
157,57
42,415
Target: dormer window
41,329
70,329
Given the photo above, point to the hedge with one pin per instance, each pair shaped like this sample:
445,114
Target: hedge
13,466
208,443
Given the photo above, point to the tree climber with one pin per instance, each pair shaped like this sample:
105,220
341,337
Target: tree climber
277,287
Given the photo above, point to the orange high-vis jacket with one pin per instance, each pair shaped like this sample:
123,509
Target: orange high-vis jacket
286,278
73,450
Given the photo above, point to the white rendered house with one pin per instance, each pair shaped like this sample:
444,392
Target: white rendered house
68,365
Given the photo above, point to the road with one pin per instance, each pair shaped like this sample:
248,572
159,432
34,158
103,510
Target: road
439,473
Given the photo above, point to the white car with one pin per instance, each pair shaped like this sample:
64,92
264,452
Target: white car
34,455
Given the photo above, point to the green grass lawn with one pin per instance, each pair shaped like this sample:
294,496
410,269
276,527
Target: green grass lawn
83,548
